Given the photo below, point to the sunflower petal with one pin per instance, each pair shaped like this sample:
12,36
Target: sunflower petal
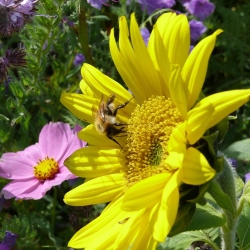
91,162
176,39
84,237
177,92
177,140
163,21
175,158
198,122
196,169
122,62
165,214
129,230
158,54
143,232
86,89
90,135
143,60
99,190
134,64
224,103
80,105
105,240
103,86
138,197
195,68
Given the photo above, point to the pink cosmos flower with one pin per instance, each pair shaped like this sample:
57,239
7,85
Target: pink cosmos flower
39,167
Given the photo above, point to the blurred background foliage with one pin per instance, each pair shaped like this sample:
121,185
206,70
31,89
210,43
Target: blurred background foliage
57,33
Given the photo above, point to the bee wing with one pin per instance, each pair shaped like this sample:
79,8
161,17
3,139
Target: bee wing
98,111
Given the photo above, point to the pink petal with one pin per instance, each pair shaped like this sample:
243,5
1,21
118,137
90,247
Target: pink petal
57,140
18,165
54,140
77,129
74,144
33,153
23,189
64,174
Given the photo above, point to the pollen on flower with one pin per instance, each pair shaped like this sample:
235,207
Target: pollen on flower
149,129
46,169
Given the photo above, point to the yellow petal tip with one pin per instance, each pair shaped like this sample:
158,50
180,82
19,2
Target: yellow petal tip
217,32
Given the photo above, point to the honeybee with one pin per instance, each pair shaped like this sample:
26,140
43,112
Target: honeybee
105,119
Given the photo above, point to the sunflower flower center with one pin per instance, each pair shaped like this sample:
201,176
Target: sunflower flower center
46,169
149,129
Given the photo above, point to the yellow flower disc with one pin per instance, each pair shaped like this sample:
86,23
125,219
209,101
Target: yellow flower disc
46,169
149,129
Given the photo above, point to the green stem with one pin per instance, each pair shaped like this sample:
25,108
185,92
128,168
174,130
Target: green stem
240,205
83,36
226,181
53,212
209,241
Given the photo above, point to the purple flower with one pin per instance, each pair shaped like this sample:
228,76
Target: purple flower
14,14
233,162
97,3
9,241
197,28
11,58
200,8
145,35
15,58
247,177
39,167
185,3
66,20
79,59
152,5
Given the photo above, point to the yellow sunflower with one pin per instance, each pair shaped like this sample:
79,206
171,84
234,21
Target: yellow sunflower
141,177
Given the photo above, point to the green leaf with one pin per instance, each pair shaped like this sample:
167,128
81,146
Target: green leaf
24,227
218,164
184,240
200,197
239,150
101,17
184,216
178,242
11,104
205,217
246,192
211,139
222,128
220,197
3,117
239,185
17,89
16,120
243,228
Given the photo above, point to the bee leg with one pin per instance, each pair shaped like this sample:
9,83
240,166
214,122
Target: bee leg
120,124
121,106
121,131
114,140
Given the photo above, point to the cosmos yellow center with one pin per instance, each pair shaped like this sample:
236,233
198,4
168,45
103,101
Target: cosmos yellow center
46,169
149,129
